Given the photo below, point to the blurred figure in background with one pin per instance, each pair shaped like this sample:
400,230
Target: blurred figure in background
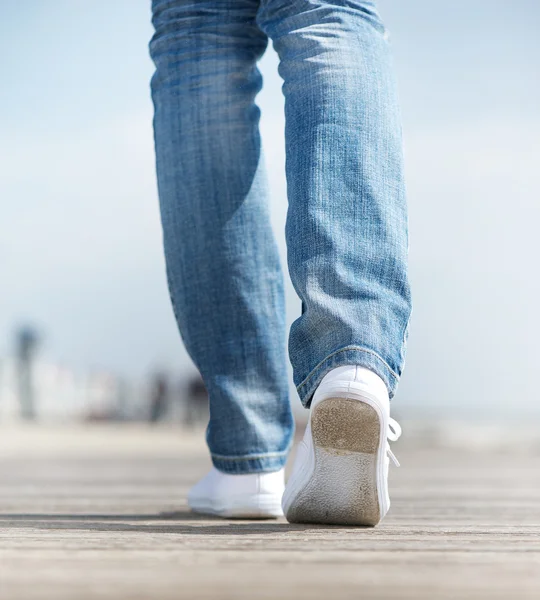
196,408
347,240
26,344
159,397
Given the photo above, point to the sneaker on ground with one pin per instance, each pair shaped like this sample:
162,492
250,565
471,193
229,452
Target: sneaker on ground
251,496
340,474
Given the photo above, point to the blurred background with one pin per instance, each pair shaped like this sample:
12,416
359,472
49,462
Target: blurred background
86,329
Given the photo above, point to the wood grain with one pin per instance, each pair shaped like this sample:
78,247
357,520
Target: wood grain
99,512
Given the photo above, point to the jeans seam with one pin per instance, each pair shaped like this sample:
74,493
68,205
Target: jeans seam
346,349
251,456
404,341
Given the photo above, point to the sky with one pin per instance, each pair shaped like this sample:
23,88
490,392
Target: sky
80,239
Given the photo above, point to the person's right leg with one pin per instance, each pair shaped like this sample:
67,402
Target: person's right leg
346,230
347,241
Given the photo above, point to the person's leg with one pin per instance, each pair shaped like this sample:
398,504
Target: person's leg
223,267
347,234
347,240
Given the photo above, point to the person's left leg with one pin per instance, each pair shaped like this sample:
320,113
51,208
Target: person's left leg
223,266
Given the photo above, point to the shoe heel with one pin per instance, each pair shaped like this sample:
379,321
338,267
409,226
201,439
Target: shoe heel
343,488
345,425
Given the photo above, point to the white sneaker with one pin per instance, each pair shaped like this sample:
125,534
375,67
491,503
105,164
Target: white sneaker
340,474
253,496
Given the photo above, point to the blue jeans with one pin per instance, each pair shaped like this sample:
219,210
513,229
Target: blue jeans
347,223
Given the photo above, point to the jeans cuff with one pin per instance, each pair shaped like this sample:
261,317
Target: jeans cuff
351,355
242,465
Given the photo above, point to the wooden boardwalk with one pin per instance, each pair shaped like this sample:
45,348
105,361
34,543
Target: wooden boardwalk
99,512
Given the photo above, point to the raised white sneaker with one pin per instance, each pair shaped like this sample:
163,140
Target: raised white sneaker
340,474
253,496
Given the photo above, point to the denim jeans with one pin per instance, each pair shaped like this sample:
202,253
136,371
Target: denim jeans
347,223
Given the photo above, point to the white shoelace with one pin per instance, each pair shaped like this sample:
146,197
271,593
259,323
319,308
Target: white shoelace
394,431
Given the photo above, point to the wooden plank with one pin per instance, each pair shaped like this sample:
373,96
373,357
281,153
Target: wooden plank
100,512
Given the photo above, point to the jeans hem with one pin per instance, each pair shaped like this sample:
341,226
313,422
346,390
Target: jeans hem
242,465
351,355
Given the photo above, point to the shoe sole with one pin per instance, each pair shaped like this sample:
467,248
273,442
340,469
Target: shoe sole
345,481
254,507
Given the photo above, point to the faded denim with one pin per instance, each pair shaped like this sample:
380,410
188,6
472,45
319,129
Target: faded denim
347,223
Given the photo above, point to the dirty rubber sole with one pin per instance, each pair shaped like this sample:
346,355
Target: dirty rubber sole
343,487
